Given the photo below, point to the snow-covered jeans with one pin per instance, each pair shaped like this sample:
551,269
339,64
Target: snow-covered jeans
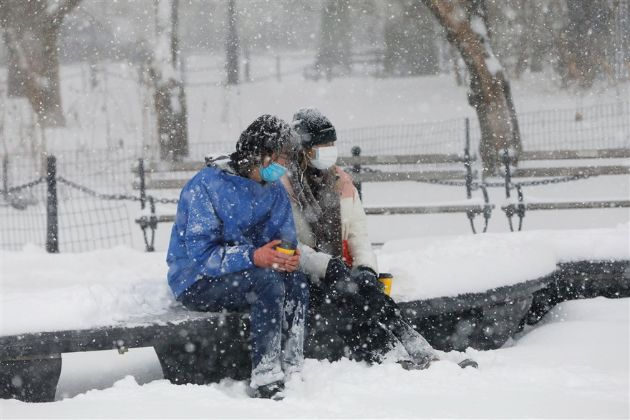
277,304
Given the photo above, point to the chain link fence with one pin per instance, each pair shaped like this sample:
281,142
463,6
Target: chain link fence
87,220
97,203
602,126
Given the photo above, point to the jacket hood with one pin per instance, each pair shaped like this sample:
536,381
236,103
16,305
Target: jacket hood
221,161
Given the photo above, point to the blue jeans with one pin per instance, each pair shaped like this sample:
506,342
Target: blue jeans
277,304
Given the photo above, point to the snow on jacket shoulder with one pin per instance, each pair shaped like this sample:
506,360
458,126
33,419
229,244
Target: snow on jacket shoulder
221,219
353,229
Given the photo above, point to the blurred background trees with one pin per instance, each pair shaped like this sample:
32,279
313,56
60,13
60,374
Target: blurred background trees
579,40
574,43
31,31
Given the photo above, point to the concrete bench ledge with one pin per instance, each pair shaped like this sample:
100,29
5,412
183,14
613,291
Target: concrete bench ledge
200,348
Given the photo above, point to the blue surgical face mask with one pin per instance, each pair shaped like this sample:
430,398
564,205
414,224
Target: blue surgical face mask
273,172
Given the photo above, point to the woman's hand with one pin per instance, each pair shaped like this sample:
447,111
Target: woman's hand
292,263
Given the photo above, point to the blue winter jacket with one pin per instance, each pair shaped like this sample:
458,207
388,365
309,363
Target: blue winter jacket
221,219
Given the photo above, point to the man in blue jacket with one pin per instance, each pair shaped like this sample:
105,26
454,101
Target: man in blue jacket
230,217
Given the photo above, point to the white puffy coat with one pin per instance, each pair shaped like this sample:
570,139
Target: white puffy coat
353,230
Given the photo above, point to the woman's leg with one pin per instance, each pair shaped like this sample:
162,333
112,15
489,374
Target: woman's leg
375,319
344,306
387,314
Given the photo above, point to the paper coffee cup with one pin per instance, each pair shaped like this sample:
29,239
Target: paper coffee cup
286,247
386,279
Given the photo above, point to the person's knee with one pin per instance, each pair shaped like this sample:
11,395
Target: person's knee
297,285
268,283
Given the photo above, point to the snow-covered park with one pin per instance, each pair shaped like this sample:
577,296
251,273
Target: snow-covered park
574,363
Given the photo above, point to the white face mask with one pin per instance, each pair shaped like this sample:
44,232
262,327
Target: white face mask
325,157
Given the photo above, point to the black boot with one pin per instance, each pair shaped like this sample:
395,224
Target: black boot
468,363
273,391
413,365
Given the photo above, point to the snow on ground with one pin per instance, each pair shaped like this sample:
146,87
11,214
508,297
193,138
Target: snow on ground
82,290
443,266
573,365
110,114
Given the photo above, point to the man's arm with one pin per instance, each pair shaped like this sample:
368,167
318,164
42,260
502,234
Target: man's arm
204,239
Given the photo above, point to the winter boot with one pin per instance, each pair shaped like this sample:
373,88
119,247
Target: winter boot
273,391
416,365
468,363
420,351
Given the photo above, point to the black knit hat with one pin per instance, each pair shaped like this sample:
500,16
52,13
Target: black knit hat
313,127
268,134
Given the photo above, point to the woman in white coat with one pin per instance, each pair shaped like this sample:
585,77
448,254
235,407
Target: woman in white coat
336,252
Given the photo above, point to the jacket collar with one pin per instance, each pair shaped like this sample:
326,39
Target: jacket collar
220,161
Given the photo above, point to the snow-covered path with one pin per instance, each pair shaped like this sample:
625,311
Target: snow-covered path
573,365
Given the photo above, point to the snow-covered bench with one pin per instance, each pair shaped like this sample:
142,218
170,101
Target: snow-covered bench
205,347
539,168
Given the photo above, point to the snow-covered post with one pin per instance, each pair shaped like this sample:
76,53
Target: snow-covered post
169,96
52,223
489,89
31,29
5,177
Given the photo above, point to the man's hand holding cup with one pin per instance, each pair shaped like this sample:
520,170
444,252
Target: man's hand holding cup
279,255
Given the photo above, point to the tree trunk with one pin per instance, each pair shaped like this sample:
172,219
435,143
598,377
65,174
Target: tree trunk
588,39
334,48
231,45
169,96
409,35
489,91
31,32
16,82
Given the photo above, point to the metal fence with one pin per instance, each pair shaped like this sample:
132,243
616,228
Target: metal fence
604,126
88,219
85,222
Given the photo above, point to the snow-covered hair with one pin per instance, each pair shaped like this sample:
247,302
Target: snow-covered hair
265,136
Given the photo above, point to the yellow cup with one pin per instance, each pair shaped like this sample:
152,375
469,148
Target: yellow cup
286,247
387,279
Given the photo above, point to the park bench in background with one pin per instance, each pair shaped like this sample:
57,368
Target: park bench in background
551,167
441,169
200,348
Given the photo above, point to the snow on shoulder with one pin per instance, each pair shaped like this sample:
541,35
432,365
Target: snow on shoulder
432,267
